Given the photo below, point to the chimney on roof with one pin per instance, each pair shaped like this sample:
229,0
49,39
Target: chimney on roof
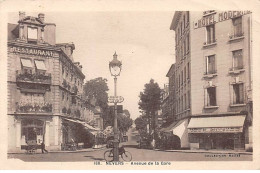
41,16
21,15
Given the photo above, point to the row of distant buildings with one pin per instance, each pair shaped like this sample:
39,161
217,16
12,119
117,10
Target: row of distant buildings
208,102
45,88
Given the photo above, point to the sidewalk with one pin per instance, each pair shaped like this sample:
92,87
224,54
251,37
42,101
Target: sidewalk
63,151
209,151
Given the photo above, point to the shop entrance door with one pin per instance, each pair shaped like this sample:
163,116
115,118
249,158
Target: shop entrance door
32,130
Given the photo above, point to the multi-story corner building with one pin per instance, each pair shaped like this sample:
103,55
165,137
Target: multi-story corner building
165,108
45,86
213,78
171,88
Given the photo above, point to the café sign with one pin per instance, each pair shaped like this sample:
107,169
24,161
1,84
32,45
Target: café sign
31,51
216,130
218,17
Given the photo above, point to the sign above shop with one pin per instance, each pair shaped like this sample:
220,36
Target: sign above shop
31,51
218,17
216,130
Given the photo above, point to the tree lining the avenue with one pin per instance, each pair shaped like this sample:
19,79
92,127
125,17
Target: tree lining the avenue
97,89
149,103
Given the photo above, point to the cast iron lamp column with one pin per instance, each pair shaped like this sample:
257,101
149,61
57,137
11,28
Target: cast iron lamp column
115,69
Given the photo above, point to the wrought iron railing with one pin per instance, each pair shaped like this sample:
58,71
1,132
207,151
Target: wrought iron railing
33,107
22,76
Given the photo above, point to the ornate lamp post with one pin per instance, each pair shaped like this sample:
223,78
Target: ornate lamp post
115,69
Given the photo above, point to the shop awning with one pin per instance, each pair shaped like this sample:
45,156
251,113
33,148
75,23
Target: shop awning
177,128
26,62
87,126
226,124
40,65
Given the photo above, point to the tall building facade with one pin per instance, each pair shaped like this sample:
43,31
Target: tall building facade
213,78
45,87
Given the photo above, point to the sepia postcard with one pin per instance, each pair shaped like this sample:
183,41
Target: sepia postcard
129,84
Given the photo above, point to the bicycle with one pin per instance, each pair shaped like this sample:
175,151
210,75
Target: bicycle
125,155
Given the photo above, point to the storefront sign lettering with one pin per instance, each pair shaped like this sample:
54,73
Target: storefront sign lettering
31,51
216,130
214,18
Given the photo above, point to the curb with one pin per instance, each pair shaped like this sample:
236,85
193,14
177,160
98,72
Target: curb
211,152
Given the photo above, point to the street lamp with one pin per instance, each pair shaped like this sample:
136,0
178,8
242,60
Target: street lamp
115,69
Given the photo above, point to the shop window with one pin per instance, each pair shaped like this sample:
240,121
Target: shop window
238,93
237,24
237,60
211,96
210,64
210,34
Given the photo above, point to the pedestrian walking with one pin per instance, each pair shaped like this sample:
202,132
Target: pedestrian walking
43,147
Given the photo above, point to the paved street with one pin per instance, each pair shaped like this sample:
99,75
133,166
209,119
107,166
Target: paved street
138,155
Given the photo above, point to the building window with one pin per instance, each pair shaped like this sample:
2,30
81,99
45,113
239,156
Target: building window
210,34
184,74
188,42
40,65
181,77
189,99
210,64
238,94
237,23
188,17
32,33
188,70
184,47
237,60
211,97
63,96
185,102
184,21
179,80
181,28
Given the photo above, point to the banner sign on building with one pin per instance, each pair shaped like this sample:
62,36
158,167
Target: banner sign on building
218,17
31,51
216,130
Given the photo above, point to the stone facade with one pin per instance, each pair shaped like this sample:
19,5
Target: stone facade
217,59
45,86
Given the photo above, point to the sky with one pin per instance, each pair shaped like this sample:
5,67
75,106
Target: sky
143,41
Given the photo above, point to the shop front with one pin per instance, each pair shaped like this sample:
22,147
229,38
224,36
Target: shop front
217,133
76,134
176,135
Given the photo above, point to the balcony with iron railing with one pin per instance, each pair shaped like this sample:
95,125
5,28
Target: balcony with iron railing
36,78
22,107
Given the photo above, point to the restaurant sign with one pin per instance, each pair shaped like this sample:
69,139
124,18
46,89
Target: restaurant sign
31,51
218,17
216,130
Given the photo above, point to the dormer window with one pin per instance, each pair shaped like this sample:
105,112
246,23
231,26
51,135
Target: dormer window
32,34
